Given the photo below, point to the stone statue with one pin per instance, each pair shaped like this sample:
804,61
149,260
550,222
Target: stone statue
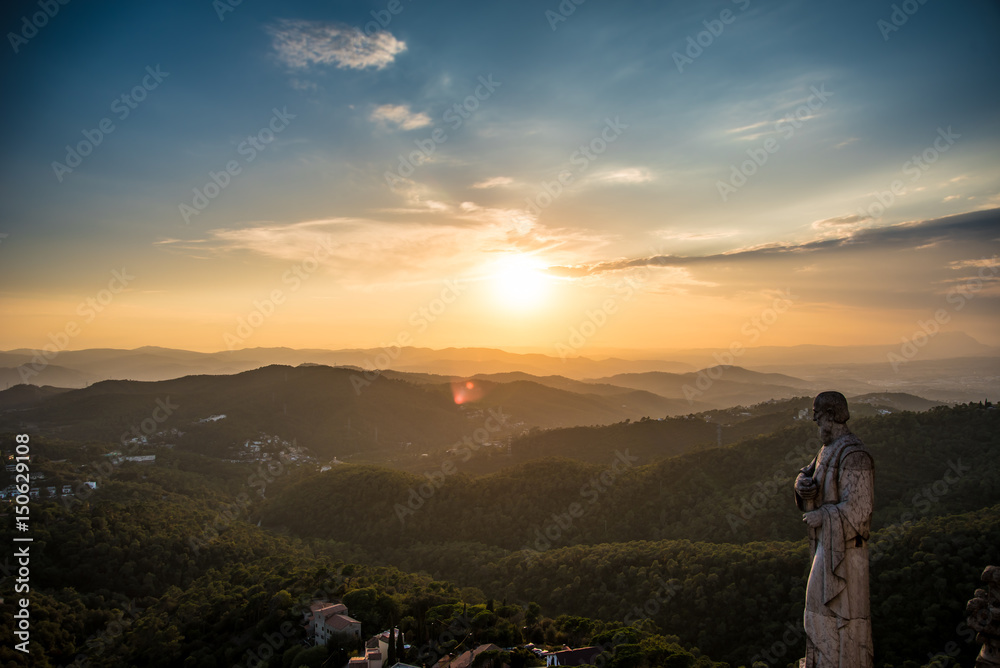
836,493
984,619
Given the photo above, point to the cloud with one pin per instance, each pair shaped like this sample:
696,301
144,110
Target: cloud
694,236
625,175
400,116
300,44
990,262
840,221
978,227
459,241
495,182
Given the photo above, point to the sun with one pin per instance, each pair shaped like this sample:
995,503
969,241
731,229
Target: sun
520,282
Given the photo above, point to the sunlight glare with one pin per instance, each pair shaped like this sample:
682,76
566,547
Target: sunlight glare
520,282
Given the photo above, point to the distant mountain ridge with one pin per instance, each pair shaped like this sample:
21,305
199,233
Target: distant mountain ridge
78,368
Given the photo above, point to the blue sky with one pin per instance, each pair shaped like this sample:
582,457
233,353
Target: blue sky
666,181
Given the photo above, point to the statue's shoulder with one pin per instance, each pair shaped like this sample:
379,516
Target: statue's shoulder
854,454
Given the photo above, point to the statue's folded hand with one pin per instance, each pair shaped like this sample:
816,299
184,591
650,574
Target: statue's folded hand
805,486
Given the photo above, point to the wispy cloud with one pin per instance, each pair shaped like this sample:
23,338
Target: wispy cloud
840,222
670,235
461,241
300,44
970,227
979,262
495,182
624,175
401,116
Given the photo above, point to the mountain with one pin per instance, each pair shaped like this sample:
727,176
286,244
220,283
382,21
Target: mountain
25,396
959,379
898,400
152,363
338,412
325,409
51,375
944,345
717,386
775,372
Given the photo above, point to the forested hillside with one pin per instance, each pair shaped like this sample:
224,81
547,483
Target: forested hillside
736,601
165,565
670,541
140,575
927,464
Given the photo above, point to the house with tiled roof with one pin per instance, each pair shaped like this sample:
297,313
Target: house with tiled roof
325,620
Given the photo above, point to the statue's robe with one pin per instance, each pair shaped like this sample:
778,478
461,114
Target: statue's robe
837,618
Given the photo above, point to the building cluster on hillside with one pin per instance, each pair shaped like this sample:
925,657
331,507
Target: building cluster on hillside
50,492
326,621
117,458
267,447
159,439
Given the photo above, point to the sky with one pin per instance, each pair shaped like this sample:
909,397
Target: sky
567,178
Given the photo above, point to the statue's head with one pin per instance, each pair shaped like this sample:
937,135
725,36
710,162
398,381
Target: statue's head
832,405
